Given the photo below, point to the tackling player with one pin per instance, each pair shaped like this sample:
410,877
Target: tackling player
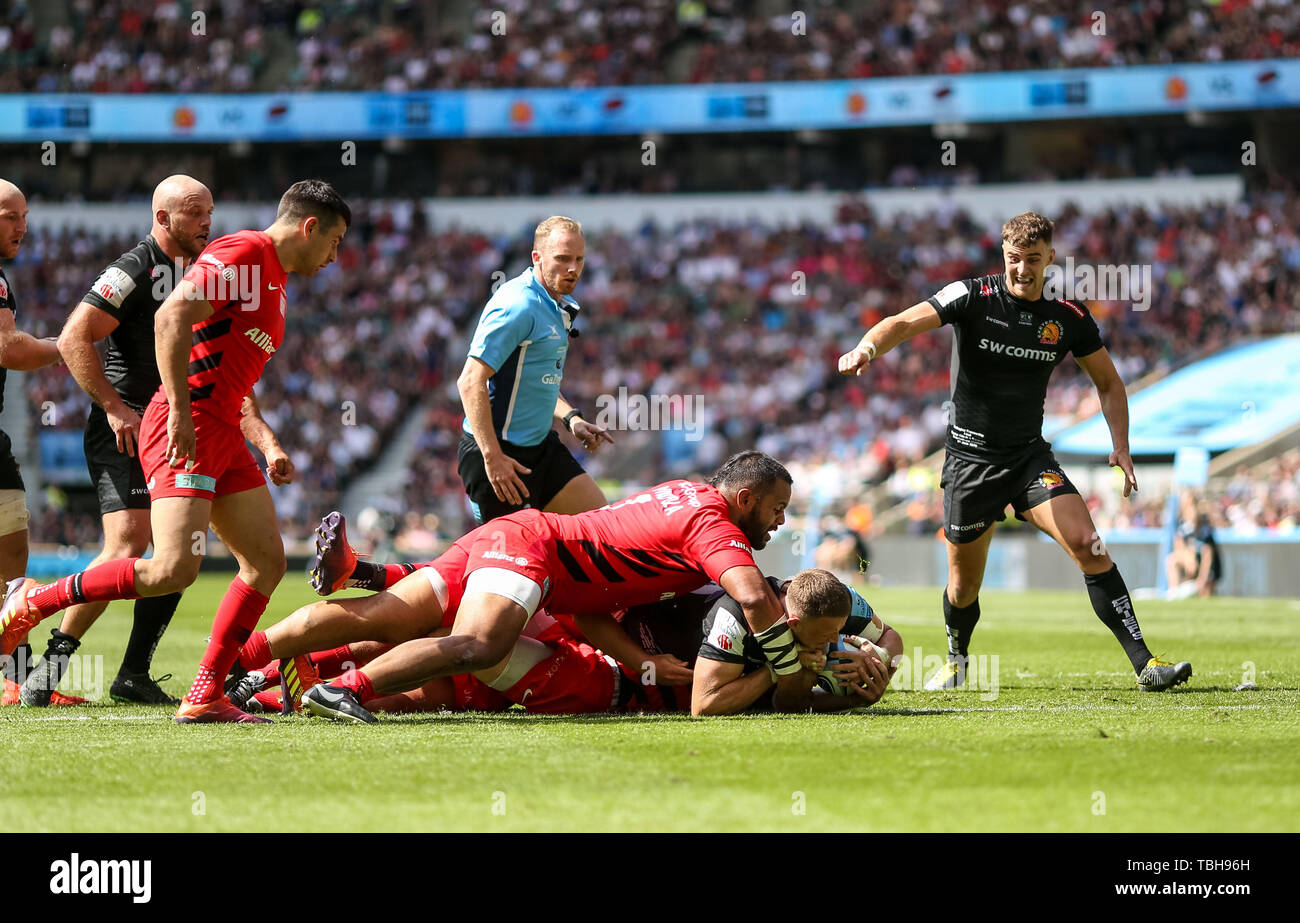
120,309
656,544
1008,339
215,333
18,351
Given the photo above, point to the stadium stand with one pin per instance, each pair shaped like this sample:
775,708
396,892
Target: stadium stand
147,46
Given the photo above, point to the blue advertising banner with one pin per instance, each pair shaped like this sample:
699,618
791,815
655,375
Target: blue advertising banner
833,104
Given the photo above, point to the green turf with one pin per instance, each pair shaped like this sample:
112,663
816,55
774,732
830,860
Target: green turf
1065,736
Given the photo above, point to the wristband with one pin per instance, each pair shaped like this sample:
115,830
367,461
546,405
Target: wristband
568,417
778,646
870,347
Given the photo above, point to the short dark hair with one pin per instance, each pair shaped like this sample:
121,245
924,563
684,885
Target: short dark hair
1026,228
313,198
816,594
750,469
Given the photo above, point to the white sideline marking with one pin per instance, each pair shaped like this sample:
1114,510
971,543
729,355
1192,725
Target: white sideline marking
99,718
1036,708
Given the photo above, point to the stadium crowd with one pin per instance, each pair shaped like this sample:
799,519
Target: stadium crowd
749,317
152,46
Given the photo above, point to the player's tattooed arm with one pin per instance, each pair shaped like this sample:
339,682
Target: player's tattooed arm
887,334
1114,407
22,351
279,467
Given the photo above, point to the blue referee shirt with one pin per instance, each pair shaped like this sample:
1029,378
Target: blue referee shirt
524,335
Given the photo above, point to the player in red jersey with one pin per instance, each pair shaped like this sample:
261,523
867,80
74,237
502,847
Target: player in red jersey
654,545
215,333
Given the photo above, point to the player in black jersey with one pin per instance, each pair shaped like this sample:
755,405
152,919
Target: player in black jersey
120,308
1008,339
836,630
18,351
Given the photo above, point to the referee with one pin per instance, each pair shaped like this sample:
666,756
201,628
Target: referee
509,456
120,308
1008,339
19,351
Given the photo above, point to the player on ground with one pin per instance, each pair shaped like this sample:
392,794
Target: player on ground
18,351
1008,339
120,309
831,623
509,455
660,543
215,333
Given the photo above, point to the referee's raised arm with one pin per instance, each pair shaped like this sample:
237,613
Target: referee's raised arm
887,334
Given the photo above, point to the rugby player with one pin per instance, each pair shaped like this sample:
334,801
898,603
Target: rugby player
1008,339
18,351
215,333
120,309
654,545
829,621
509,456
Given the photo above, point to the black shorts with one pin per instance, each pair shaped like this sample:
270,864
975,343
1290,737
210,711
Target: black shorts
10,477
976,494
118,477
552,464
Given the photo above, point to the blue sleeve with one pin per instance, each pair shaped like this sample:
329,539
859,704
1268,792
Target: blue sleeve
504,325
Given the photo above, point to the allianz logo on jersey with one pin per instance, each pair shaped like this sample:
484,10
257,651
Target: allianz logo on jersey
502,556
261,339
1017,352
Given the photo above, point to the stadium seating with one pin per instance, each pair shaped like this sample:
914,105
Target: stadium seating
139,46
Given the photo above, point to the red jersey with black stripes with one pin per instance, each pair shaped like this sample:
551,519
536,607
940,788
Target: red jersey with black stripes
654,545
241,277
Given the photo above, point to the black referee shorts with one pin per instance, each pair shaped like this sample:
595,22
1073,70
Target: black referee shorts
118,478
552,464
976,494
10,477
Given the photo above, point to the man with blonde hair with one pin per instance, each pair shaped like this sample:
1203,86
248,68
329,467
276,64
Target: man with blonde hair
510,458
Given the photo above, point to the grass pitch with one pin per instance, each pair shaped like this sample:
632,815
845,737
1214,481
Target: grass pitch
1064,743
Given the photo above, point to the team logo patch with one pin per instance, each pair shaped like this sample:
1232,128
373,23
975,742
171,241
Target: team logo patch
1049,333
113,285
1026,319
1050,480
985,290
4,290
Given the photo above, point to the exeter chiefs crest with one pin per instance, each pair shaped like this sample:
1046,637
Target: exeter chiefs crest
1049,333
1050,479
4,289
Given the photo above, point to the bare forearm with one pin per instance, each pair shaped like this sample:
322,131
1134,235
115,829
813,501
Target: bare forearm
478,410
562,407
794,693
885,335
23,352
258,432
608,635
83,362
172,341
735,696
1114,407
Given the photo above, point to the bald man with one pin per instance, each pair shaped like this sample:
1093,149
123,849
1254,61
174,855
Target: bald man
120,308
21,351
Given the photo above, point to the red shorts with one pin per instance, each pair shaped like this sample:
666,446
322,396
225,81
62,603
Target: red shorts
224,466
575,680
446,573
474,695
517,555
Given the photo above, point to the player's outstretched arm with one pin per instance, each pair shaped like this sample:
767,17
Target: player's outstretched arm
1114,407
887,334
279,467
23,352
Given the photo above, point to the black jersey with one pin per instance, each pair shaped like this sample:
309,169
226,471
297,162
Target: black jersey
7,303
131,289
1004,352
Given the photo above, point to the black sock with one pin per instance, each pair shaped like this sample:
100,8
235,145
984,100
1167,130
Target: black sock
18,663
960,623
152,616
1111,602
61,647
371,576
